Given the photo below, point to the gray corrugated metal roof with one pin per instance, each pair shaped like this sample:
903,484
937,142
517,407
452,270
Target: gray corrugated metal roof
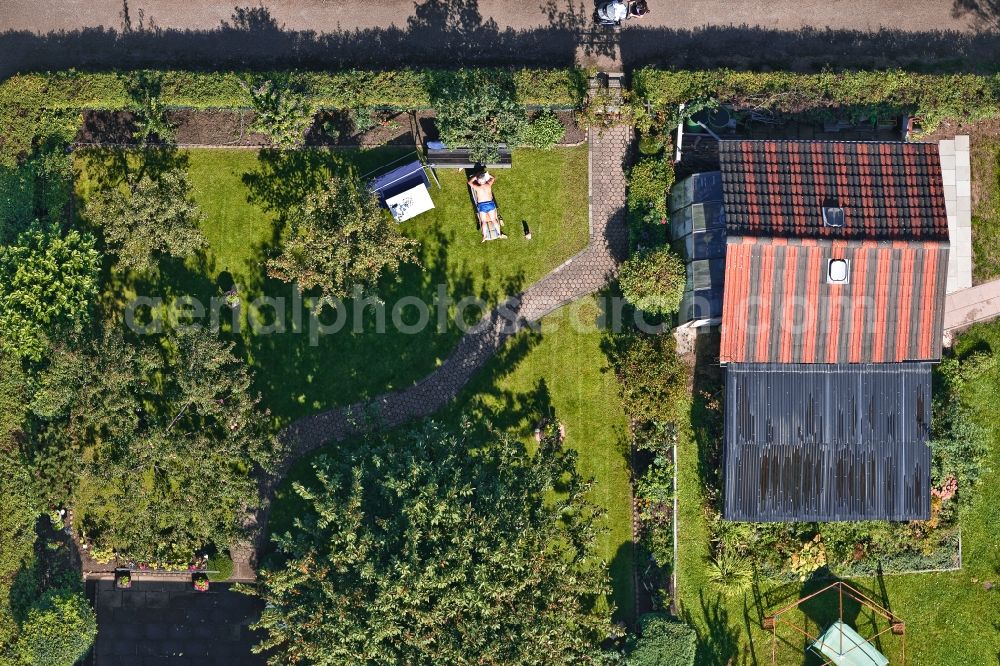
815,442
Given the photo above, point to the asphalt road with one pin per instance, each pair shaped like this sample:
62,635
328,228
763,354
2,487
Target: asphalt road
802,34
42,16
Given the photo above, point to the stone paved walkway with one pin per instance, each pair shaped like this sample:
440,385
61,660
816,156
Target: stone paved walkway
970,306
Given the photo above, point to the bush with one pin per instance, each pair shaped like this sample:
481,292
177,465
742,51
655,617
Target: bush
730,573
222,565
150,112
960,442
47,284
281,110
662,642
545,131
363,119
59,630
651,144
653,380
649,182
653,280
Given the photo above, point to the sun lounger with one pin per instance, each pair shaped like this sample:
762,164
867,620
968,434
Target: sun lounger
490,230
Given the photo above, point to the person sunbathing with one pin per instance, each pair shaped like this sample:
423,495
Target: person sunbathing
486,207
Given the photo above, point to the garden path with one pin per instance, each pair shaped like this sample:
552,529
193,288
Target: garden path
583,274
970,306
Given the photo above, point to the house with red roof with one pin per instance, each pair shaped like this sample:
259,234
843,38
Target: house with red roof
831,291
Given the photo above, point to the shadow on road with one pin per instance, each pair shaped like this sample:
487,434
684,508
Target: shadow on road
450,33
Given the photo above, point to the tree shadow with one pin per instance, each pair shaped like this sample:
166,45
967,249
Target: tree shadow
809,49
983,14
440,32
718,638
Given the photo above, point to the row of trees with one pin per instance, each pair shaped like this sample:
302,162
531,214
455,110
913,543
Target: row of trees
48,277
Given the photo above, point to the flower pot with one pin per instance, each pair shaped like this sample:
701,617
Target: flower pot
199,582
123,579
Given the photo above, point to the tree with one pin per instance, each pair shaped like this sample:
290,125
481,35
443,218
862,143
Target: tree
341,238
13,398
47,283
478,109
176,437
653,280
149,218
281,110
59,630
663,642
440,550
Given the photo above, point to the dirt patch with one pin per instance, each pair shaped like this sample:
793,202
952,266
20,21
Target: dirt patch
231,127
215,127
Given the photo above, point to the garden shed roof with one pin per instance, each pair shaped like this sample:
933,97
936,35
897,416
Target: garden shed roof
885,190
826,442
781,304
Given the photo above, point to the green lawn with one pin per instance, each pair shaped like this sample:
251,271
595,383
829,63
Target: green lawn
560,370
243,194
951,619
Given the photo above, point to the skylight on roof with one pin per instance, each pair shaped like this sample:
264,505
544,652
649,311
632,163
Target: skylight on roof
833,216
838,271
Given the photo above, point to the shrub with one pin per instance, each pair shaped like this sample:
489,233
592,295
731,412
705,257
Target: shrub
222,565
59,630
649,182
150,112
663,641
363,118
653,380
960,442
730,573
651,143
282,111
653,280
545,131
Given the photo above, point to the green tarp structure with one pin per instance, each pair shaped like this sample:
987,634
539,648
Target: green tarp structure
843,646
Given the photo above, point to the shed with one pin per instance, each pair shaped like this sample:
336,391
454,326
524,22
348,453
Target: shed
827,442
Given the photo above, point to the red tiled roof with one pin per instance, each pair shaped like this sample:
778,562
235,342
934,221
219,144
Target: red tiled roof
889,191
778,306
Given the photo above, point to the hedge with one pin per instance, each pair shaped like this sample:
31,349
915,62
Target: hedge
400,89
34,105
933,97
